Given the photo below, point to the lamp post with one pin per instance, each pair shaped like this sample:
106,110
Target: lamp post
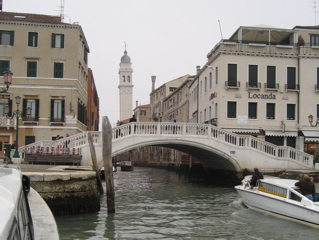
310,119
7,76
17,113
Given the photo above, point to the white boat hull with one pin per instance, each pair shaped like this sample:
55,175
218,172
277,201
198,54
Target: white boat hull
302,210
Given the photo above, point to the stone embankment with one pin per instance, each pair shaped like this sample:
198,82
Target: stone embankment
66,189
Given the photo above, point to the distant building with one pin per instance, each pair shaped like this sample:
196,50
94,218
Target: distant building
159,94
49,61
142,112
126,87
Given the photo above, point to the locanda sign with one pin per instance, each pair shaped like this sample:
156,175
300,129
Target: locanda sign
261,96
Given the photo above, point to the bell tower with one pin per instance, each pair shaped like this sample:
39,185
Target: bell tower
126,87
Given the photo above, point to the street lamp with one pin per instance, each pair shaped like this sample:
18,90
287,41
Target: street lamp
17,113
310,119
7,76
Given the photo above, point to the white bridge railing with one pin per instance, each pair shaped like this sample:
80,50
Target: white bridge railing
74,143
208,130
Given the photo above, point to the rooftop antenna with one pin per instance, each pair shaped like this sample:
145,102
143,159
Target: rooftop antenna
220,29
315,10
62,10
125,46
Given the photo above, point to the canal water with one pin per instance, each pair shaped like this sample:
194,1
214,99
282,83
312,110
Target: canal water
157,204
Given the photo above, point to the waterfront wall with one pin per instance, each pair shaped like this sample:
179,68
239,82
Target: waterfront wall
67,192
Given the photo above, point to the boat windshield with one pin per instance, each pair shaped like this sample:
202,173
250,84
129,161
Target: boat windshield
272,189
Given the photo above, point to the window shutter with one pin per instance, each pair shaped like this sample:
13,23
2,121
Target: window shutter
62,40
24,108
10,107
63,109
52,110
53,41
37,107
11,38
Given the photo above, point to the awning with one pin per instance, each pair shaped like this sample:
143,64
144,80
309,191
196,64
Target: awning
242,130
281,134
311,136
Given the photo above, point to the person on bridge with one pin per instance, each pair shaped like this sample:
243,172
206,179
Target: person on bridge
132,119
256,176
307,188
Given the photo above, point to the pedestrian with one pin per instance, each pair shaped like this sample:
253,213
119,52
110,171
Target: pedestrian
316,183
307,188
13,145
132,119
256,176
174,127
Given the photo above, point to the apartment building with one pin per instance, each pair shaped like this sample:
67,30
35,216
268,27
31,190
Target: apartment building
262,81
159,94
49,61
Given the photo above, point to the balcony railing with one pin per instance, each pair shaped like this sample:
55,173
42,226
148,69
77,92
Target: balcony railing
294,87
232,85
271,87
253,86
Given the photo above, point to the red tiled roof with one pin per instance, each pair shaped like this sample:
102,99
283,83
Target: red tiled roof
308,27
29,17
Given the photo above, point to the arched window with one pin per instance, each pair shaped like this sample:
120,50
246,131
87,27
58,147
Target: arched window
123,78
128,78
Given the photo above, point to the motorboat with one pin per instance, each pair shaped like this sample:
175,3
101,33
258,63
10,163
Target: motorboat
23,212
126,166
279,197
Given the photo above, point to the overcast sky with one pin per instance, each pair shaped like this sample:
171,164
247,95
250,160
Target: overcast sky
165,38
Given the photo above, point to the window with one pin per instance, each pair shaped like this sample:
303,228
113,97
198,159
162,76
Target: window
271,77
6,37
231,109
291,78
57,40
253,76
210,81
205,86
143,112
291,111
58,70
317,85
232,75
34,105
252,110
216,75
3,103
314,40
317,112
4,66
32,69
32,39
201,86
204,115
29,139
57,110
210,113
270,114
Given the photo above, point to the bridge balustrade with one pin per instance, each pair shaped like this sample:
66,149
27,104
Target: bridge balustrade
208,130
74,144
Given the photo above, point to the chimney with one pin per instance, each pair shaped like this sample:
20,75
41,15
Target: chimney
153,82
197,69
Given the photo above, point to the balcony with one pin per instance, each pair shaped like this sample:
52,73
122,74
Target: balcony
232,85
271,87
253,86
292,87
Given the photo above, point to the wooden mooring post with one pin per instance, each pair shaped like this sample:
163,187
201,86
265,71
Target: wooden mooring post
108,165
94,162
